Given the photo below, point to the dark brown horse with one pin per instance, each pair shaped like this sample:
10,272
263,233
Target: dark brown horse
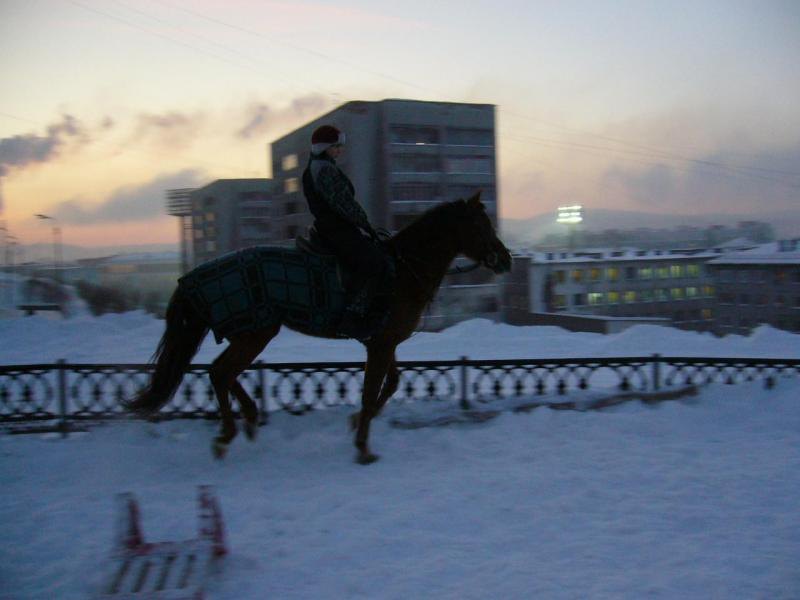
423,251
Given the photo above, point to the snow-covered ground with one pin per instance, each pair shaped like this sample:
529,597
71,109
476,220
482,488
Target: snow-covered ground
692,499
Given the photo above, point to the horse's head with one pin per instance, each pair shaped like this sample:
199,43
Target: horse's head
478,239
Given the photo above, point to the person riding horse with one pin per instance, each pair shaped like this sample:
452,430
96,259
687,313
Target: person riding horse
344,228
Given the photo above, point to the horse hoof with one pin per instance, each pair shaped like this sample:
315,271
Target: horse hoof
367,458
251,430
219,449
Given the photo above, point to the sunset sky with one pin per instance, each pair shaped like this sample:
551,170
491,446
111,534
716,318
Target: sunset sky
659,106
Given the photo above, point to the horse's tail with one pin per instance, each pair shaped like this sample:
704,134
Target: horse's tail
181,340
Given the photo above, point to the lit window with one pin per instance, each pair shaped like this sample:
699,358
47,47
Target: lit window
707,314
210,217
663,272
577,275
560,301
708,290
645,272
612,273
613,297
561,276
693,270
691,292
676,293
629,297
676,271
291,185
595,298
595,274
289,162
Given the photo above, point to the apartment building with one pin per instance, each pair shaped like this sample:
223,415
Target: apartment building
229,214
759,285
404,157
665,284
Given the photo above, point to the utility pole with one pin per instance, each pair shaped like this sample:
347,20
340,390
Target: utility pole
57,251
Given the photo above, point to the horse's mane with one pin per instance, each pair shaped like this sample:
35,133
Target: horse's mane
435,218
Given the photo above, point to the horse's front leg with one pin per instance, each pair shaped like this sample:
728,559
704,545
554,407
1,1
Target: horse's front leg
378,361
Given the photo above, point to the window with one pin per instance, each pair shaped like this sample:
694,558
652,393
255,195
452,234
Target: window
289,162
577,275
469,164
561,276
290,208
706,314
630,272
595,298
781,276
595,274
744,299
726,275
693,270
211,246
663,272
455,192
629,297
560,301
291,231
612,273
291,185
410,134
405,192
578,299
415,163
676,271
613,297
676,293
708,291
661,295
645,272
210,217
470,137
726,298
691,292
645,295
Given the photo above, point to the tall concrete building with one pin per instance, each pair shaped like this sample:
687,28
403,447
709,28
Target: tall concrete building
404,157
229,214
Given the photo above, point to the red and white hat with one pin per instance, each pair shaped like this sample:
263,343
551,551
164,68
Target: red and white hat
324,137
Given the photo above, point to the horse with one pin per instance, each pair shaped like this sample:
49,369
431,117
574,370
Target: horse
423,251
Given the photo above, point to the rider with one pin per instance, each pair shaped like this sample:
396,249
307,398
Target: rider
343,225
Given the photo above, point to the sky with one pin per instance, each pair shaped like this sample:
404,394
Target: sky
664,107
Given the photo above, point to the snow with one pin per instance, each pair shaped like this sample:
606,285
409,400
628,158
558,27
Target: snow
691,499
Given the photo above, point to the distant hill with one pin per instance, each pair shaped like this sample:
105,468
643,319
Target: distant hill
532,230
44,252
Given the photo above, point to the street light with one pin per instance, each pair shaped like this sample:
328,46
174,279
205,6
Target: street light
571,216
56,245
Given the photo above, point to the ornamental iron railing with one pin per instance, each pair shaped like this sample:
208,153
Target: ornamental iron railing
60,393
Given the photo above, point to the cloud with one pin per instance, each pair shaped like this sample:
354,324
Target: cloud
717,181
259,117
21,151
171,129
131,203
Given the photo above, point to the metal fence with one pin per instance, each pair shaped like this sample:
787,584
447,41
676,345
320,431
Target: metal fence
56,394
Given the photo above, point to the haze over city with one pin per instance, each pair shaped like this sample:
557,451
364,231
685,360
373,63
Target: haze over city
666,108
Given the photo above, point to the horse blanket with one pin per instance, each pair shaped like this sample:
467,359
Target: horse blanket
261,286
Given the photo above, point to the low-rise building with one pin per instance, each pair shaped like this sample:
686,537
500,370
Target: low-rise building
759,285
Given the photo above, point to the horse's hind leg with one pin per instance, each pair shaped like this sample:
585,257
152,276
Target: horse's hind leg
243,350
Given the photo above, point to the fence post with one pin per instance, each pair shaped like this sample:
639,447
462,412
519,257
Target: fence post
263,418
656,372
464,384
62,395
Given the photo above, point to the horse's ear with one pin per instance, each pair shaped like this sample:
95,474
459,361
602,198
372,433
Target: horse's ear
474,201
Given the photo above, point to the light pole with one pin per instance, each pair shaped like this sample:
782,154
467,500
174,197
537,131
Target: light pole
571,216
56,245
